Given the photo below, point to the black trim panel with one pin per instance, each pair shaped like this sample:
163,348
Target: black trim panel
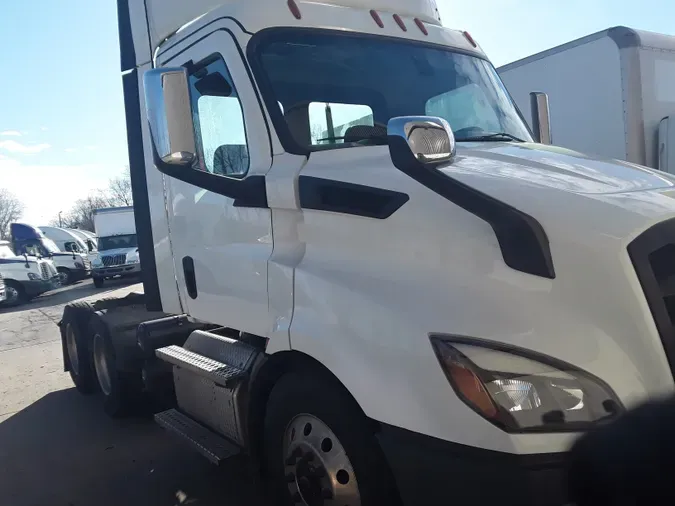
658,236
139,189
126,38
433,472
523,241
348,198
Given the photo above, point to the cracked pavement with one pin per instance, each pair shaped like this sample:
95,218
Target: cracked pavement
57,447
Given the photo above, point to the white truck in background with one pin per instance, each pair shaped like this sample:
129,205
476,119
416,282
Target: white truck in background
612,94
24,277
425,307
117,244
65,240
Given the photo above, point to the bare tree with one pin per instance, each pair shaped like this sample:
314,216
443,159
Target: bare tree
82,213
231,160
118,192
11,209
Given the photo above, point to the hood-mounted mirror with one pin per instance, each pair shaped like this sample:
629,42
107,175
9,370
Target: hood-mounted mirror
428,138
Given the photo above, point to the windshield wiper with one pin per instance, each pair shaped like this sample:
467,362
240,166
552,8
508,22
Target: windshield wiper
499,136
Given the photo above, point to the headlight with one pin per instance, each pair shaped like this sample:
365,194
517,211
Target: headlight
522,391
79,265
97,262
34,277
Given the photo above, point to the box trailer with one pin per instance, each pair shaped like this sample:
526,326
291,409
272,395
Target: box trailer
612,94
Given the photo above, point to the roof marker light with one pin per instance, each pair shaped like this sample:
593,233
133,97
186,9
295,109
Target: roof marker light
400,22
421,26
377,18
468,37
295,10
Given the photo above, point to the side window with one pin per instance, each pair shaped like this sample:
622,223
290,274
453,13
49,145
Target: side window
70,246
219,119
465,107
332,124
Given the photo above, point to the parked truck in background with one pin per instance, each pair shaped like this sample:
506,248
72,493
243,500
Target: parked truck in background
24,277
426,307
612,94
117,244
65,240
30,240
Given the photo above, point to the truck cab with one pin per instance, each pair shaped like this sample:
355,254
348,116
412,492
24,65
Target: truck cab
360,267
24,277
117,251
72,266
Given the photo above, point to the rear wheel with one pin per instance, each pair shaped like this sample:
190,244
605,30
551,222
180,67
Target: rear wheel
15,294
122,391
74,333
320,448
98,282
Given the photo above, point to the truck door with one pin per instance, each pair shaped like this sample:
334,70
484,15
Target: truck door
220,245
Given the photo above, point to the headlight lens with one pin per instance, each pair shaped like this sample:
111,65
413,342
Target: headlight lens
79,265
523,392
97,261
34,277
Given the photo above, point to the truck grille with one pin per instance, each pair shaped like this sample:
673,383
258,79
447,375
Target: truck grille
653,257
44,269
110,260
2,283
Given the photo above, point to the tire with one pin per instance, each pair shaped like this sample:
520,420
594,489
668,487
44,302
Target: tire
302,399
98,282
65,277
15,300
122,391
76,346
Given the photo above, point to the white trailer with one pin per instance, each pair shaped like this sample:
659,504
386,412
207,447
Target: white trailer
426,307
612,94
118,252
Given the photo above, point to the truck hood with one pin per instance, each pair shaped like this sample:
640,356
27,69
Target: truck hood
555,167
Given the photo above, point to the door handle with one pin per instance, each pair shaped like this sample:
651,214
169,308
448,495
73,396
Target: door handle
190,278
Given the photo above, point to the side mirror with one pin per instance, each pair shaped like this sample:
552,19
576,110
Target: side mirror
541,119
429,139
167,101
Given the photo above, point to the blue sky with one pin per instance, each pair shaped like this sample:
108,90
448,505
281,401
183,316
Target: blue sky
62,131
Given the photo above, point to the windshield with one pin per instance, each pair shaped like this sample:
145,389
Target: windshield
50,245
117,241
337,89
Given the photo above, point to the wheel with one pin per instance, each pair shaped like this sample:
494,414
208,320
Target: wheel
77,352
319,446
15,294
121,390
98,282
65,277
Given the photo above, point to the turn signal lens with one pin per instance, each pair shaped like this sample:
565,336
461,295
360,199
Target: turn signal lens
521,391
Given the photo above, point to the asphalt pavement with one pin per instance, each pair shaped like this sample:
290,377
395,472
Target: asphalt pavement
58,448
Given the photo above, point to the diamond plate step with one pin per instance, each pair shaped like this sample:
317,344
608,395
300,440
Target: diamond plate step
211,445
219,373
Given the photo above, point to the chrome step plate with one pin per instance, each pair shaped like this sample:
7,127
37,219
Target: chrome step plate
219,373
211,445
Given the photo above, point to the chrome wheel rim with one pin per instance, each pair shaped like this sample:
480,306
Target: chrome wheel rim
12,294
71,345
318,469
101,365
63,278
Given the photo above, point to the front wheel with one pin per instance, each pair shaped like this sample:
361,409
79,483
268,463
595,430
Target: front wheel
65,277
320,447
15,294
98,282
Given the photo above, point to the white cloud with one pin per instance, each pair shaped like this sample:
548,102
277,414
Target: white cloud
70,150
17,147
11,133
41,188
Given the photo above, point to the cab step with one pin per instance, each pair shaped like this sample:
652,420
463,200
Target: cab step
218,372
211,445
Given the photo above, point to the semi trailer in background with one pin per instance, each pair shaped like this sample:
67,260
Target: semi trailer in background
117,244
424,307
612,94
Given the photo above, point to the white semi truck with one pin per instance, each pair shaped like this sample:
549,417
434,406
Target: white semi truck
427,308
612,94
24,277
118,254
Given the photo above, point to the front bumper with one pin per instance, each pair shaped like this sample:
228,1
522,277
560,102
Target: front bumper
116,270
432,472
40,286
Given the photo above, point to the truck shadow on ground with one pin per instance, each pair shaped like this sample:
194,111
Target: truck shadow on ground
63,450
71,293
